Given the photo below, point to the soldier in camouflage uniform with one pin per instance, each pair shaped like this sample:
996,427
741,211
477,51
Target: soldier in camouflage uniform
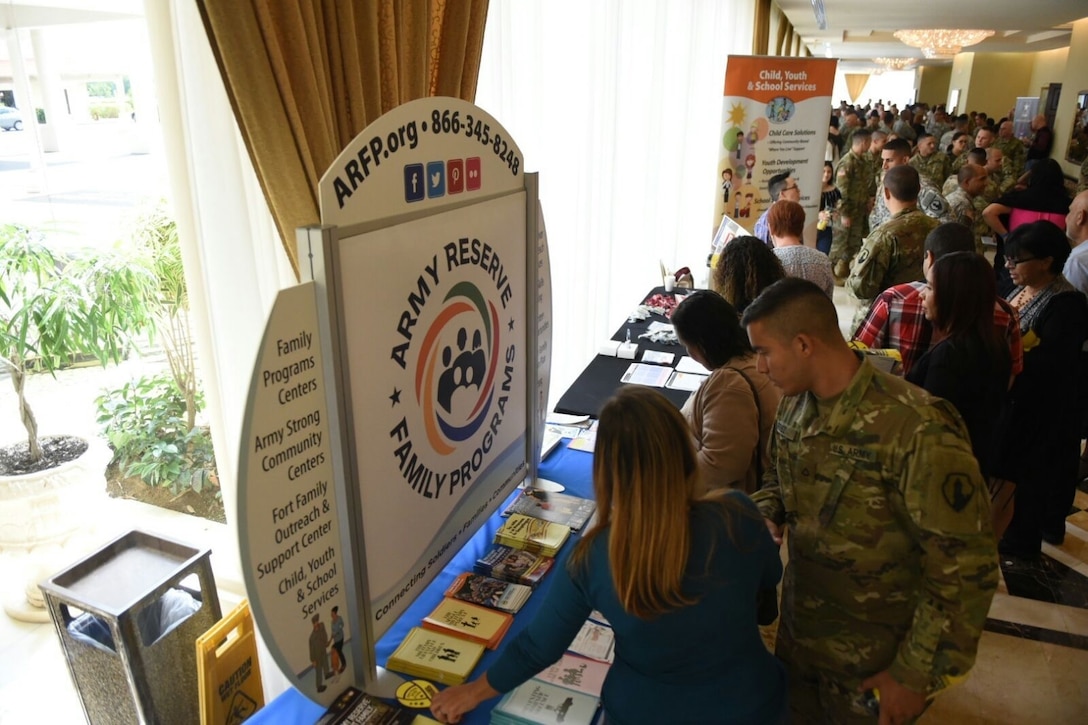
963,206
892,254
931,163
897,153
876,146
1012,148
999,183
892,559
852,178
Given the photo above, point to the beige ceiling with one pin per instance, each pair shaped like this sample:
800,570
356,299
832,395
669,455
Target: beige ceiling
859,30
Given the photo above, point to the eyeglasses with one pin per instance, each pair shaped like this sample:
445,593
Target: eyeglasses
1010,262
790,188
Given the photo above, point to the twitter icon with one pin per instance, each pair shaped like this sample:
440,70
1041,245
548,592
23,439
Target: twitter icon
436,179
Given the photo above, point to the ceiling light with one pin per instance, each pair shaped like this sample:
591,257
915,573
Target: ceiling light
942,42
820,13
895,63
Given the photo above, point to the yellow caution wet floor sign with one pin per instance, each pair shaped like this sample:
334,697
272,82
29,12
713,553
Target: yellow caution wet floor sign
228,670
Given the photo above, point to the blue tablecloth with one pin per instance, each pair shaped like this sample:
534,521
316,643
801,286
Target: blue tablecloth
573,469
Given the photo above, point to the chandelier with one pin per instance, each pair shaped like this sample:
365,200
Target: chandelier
936,43
894,63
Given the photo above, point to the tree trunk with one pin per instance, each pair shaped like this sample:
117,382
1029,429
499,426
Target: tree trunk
18,379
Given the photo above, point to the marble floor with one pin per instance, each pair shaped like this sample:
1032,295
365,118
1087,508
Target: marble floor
1032,664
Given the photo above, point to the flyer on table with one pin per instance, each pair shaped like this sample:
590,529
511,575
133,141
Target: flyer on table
774,119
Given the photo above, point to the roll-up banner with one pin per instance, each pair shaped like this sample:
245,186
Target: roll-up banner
774,119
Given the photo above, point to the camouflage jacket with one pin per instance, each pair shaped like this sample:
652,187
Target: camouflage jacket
892,559
1082,183
853,177
936,167
891,254
966,210
930,200
1014,155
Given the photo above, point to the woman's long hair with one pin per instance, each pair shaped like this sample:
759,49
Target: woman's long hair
966,294
644,480
745,268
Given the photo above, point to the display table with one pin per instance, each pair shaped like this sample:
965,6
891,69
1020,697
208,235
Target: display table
601,378
571,468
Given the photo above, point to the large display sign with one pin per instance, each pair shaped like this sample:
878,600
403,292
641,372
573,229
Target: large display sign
435,341
774,119
399,394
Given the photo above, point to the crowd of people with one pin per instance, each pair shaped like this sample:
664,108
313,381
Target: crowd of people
881,486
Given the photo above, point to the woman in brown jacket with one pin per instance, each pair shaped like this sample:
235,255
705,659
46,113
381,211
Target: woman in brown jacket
732,413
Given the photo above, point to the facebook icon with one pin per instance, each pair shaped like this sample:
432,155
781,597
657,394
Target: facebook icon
414,182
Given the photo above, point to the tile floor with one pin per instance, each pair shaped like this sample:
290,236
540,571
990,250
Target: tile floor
1032,663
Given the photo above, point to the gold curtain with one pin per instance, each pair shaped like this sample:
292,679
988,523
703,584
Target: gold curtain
783,26
304,78
761,33
855,82
787,46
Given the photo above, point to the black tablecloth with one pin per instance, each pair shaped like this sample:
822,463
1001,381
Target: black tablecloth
601,378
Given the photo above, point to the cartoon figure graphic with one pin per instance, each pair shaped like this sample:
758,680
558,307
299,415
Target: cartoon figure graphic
318,657
727,184
337,642
746,210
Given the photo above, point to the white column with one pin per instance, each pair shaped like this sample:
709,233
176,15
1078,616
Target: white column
57,121
35,177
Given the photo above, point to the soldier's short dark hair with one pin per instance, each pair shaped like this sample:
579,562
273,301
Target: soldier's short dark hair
861,133
948,238
900,146
903,183
967,172
977,156
794,306
777,183
924,135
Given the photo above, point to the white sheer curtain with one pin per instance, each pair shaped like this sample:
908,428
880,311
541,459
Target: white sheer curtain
618,106
234,263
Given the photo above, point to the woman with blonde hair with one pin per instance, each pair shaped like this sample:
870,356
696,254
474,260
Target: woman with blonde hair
676,575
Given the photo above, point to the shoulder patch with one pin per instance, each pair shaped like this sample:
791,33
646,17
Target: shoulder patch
958,490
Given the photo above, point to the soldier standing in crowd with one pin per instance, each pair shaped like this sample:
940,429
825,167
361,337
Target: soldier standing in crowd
930,162
893,252
892,560
852,180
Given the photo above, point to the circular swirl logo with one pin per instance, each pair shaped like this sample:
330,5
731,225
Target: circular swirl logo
455,371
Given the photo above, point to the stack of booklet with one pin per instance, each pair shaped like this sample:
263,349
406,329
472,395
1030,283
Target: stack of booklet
355,707
514,565
569,691
536,702
436,656
559,508
535,535
489,592
470,621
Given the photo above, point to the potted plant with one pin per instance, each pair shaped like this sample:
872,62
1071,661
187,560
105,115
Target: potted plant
55,309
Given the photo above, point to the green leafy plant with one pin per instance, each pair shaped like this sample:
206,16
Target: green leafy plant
54,309
145,423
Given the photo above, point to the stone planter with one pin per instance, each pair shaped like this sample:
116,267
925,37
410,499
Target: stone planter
40,513
47,507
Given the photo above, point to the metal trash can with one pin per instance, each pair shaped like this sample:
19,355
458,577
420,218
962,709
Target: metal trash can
128,625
